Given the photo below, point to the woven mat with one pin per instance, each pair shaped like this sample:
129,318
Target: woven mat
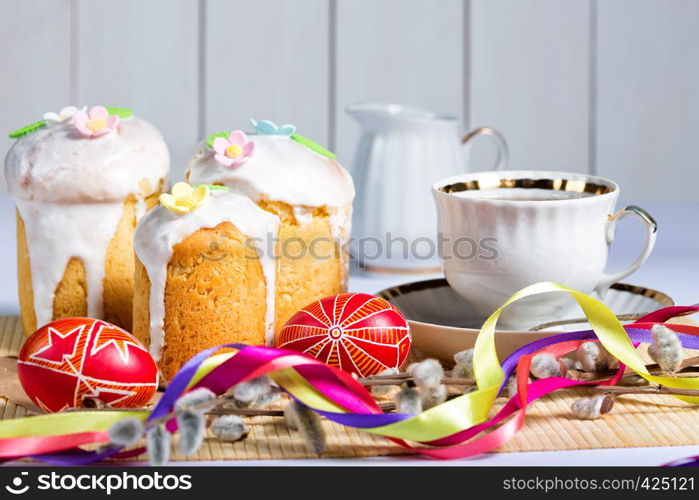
635,421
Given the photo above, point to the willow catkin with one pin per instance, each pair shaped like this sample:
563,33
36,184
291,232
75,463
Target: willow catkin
192,427
408,401
592,357
427,373
308,423
465,356
433,396
592,407
463,367
545,366
666,349
265,400
246,392
158,441
196,397
511,388
126,431
229,428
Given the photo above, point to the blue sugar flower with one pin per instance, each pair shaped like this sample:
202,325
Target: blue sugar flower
270,128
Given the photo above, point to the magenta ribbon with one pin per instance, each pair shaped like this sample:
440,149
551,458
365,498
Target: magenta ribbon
254,361
684,462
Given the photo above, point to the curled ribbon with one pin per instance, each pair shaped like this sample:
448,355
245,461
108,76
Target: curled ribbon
454,429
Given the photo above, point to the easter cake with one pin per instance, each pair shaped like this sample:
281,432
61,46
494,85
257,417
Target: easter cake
302,184
205,274
80,180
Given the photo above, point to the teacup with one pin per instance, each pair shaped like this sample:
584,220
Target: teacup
502,231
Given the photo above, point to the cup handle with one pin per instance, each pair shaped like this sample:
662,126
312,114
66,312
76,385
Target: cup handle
503,155
651,229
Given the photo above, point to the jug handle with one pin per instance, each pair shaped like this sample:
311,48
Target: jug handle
503,152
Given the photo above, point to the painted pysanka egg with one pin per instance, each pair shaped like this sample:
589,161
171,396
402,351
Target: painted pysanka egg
356,332
71,360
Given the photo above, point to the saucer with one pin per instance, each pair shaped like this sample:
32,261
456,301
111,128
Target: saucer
443,323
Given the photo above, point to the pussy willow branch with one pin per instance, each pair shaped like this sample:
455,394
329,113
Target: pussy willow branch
658,389
213,407
687,367
393,380
386,407
216,406
206,405
389,406
246,412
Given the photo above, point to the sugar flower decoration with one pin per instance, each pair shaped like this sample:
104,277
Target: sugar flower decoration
96,122
233,151
185,198
270,128
60,117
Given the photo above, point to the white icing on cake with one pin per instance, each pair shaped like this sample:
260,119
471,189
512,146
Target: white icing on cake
58,164
56,233
280,169
303,215
160,230
70,192
283,170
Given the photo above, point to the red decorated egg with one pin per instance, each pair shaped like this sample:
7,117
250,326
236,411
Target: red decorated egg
356,332
70,360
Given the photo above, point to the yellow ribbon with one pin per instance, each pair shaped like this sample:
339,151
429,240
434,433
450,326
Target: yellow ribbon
55,424
473,408
436,423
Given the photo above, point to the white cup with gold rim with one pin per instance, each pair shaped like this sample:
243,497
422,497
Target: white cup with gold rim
502,231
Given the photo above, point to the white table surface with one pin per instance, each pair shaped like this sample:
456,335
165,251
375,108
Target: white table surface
673,268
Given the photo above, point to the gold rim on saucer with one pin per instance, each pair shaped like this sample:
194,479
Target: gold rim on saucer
417,286
441,340
661,298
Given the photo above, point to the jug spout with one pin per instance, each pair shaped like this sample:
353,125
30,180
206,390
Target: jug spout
378,116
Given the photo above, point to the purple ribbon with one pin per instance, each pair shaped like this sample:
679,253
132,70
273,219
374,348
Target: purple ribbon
249,359
183,377
637,335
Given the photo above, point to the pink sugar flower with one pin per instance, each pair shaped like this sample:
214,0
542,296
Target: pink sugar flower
233,151
96,122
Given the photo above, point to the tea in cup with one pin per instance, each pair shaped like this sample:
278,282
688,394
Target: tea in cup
530,226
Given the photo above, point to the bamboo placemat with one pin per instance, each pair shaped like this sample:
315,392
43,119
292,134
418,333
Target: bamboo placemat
11,336
635,421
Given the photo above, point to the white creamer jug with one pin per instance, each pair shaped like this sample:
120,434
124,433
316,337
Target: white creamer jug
401,153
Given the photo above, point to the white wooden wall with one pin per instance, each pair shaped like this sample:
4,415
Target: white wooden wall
609,87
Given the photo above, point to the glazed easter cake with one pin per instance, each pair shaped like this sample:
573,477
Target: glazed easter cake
205,274
302,184
81,179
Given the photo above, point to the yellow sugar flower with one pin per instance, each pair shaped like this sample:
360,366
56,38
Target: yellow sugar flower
185,198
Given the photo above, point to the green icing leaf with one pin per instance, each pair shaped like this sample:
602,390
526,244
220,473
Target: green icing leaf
313,146
210,139
28,129
212,187
120,112
21,132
